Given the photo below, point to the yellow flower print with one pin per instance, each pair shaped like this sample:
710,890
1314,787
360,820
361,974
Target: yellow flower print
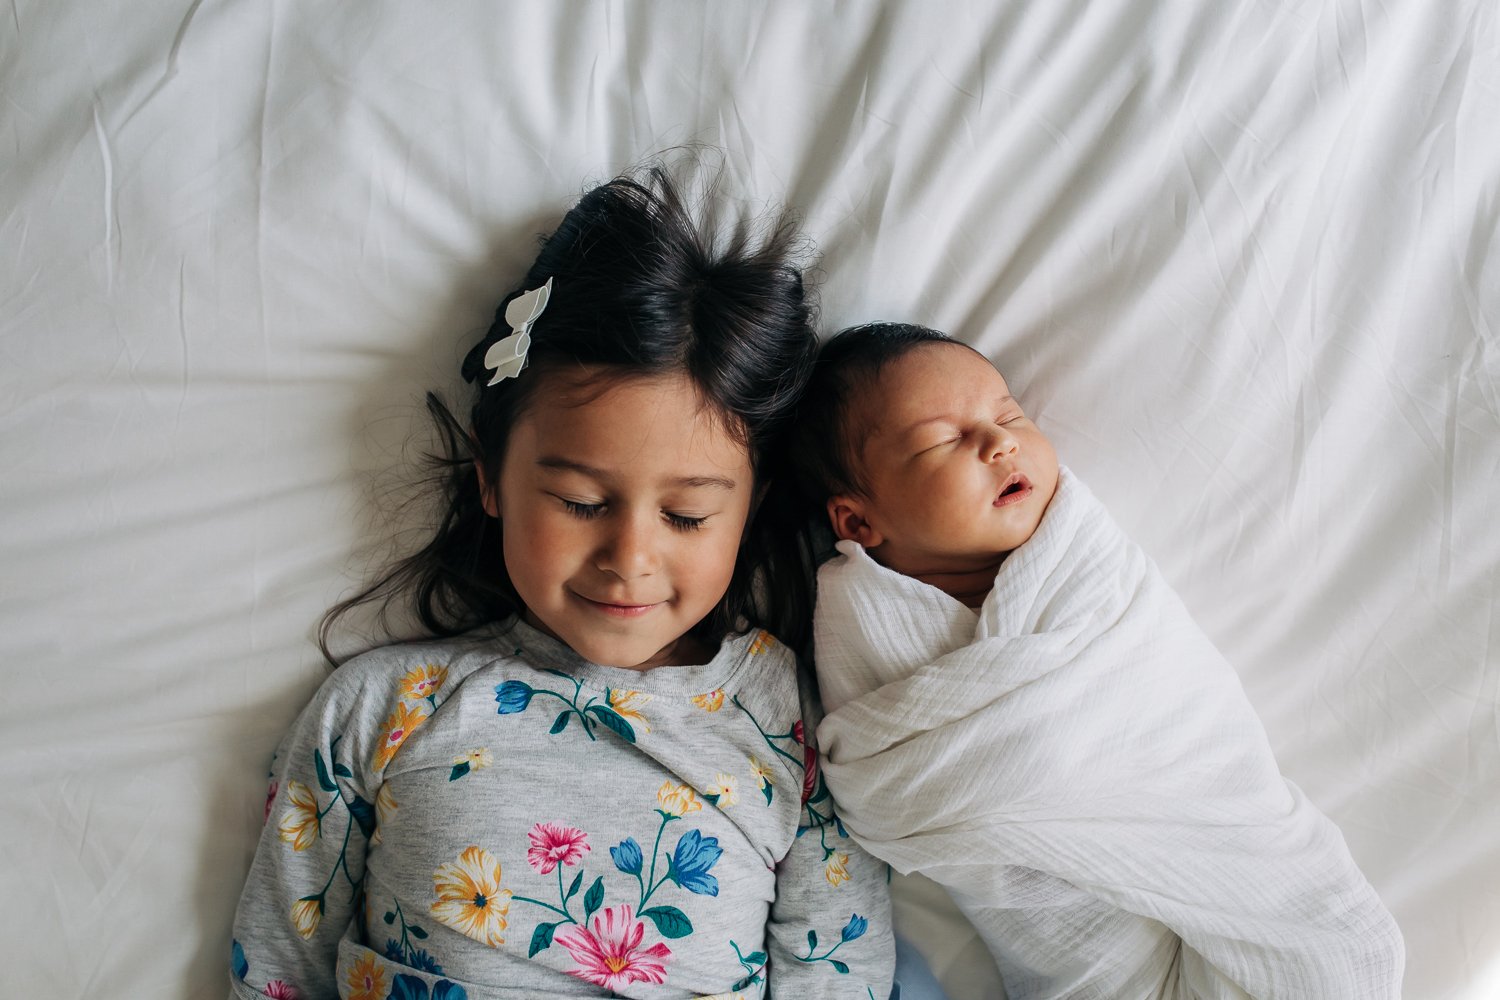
385,808
423,682
710,702
398,726
470,899
723,790
762,642
366,979
305,915
299,825
629,704
477,760
836,868
677,800
762,773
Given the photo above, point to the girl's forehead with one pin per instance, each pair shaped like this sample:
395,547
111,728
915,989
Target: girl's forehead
622,424
585,384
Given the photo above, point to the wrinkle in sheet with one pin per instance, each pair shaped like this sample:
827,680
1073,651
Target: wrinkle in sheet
110,221
171,68
182,336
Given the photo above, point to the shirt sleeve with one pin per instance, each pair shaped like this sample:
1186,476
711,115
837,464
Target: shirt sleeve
306,882
830,928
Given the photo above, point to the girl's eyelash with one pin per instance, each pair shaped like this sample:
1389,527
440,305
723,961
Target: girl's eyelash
583,510
592,510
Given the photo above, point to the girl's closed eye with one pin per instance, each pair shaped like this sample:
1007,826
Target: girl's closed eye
579,508
685,522
587,511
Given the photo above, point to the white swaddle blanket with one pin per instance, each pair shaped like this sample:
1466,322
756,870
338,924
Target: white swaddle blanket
1081,769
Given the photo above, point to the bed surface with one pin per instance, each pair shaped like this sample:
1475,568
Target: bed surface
1238,259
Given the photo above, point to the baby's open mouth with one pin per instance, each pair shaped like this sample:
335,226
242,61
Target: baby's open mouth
1016,489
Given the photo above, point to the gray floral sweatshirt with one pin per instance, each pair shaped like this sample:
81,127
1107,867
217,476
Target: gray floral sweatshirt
493,817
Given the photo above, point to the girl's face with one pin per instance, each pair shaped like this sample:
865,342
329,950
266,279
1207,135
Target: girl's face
623,504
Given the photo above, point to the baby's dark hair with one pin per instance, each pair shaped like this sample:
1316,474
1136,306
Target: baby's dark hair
823,452
642,288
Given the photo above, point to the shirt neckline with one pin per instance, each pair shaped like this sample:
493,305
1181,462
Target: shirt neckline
545,652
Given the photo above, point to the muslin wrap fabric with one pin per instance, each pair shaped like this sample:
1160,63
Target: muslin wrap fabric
1081,769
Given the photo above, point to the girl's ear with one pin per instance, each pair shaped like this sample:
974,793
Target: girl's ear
489,493
846,515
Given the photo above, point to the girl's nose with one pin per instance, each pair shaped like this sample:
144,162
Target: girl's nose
630,549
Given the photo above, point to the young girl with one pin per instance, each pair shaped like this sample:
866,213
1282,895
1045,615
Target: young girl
596,780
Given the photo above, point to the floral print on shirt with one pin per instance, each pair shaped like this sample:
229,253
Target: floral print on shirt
617,905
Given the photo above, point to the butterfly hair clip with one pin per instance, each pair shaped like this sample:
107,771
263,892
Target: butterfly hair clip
508,356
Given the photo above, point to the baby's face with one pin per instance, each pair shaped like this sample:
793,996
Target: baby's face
957,475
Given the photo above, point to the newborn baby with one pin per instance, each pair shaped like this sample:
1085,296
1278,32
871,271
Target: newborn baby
1021,709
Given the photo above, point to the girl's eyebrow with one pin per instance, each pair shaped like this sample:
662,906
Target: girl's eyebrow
568,465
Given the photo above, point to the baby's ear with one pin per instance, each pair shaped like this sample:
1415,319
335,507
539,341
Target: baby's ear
846,515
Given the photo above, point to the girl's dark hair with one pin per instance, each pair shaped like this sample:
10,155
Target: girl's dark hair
641,287
823,449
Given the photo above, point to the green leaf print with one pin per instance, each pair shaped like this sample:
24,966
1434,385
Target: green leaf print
323,779
363,813
670,921
561,722
614,721
573,889
541,939
594,898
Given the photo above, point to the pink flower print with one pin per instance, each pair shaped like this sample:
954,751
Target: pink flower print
798,732
611,955
551,844
809,772
279,990
271,791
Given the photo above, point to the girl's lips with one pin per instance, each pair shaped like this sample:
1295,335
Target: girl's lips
619,610
1016,489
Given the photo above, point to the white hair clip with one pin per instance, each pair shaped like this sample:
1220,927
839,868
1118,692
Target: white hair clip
508,356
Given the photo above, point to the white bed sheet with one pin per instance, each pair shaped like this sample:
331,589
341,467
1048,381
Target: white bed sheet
1239,258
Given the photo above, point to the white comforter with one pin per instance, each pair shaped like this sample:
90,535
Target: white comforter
1080,768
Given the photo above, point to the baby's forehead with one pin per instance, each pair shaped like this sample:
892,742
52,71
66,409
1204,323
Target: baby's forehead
923,381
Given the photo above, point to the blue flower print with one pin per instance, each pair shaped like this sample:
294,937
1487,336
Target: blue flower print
512,697
237,961
855,928
416,958
694,856
412,988
627,856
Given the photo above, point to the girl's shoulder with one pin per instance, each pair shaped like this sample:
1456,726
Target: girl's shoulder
769,679
416,669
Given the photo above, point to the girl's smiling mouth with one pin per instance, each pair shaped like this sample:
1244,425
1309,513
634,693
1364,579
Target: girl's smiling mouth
1016,489
618,610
